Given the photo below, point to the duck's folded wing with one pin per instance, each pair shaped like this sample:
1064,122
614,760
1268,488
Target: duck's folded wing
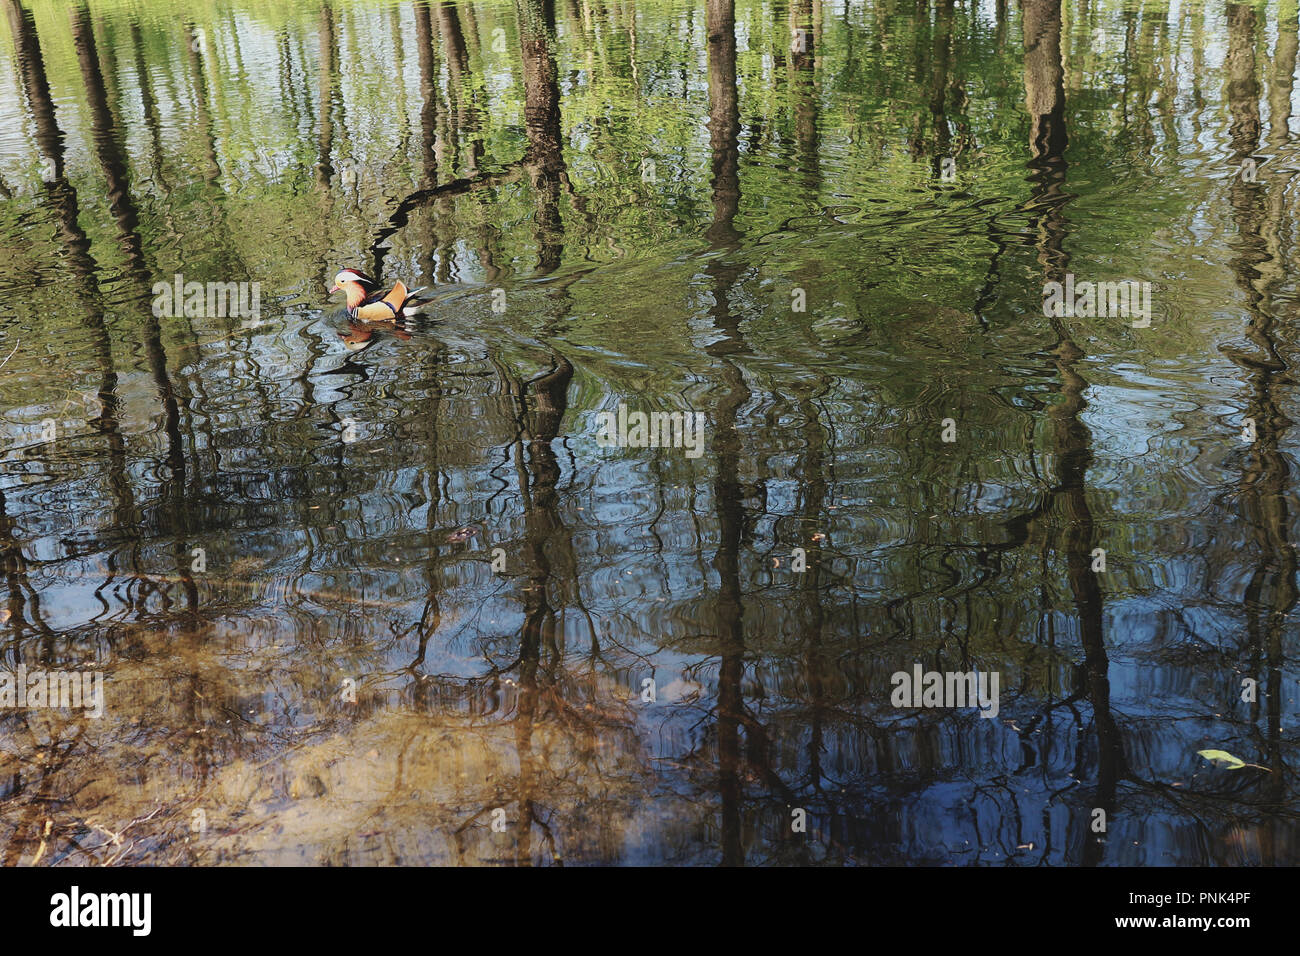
396,297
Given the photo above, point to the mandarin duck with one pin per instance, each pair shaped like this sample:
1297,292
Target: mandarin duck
368,305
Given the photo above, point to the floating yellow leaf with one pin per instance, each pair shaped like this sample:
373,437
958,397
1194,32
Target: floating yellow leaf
1223,759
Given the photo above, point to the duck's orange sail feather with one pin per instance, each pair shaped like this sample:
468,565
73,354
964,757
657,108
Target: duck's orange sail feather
397,297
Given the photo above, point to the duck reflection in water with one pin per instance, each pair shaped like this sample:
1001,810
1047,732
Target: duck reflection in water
362,335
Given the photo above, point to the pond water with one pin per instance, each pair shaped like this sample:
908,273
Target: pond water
421,592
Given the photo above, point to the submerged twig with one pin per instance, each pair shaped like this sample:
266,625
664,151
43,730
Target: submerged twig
11,354
40,850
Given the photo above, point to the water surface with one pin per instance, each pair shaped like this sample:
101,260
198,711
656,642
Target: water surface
827,246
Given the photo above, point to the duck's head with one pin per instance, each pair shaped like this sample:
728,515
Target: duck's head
352,275
355,284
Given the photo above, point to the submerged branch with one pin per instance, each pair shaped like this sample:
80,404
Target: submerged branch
421,197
